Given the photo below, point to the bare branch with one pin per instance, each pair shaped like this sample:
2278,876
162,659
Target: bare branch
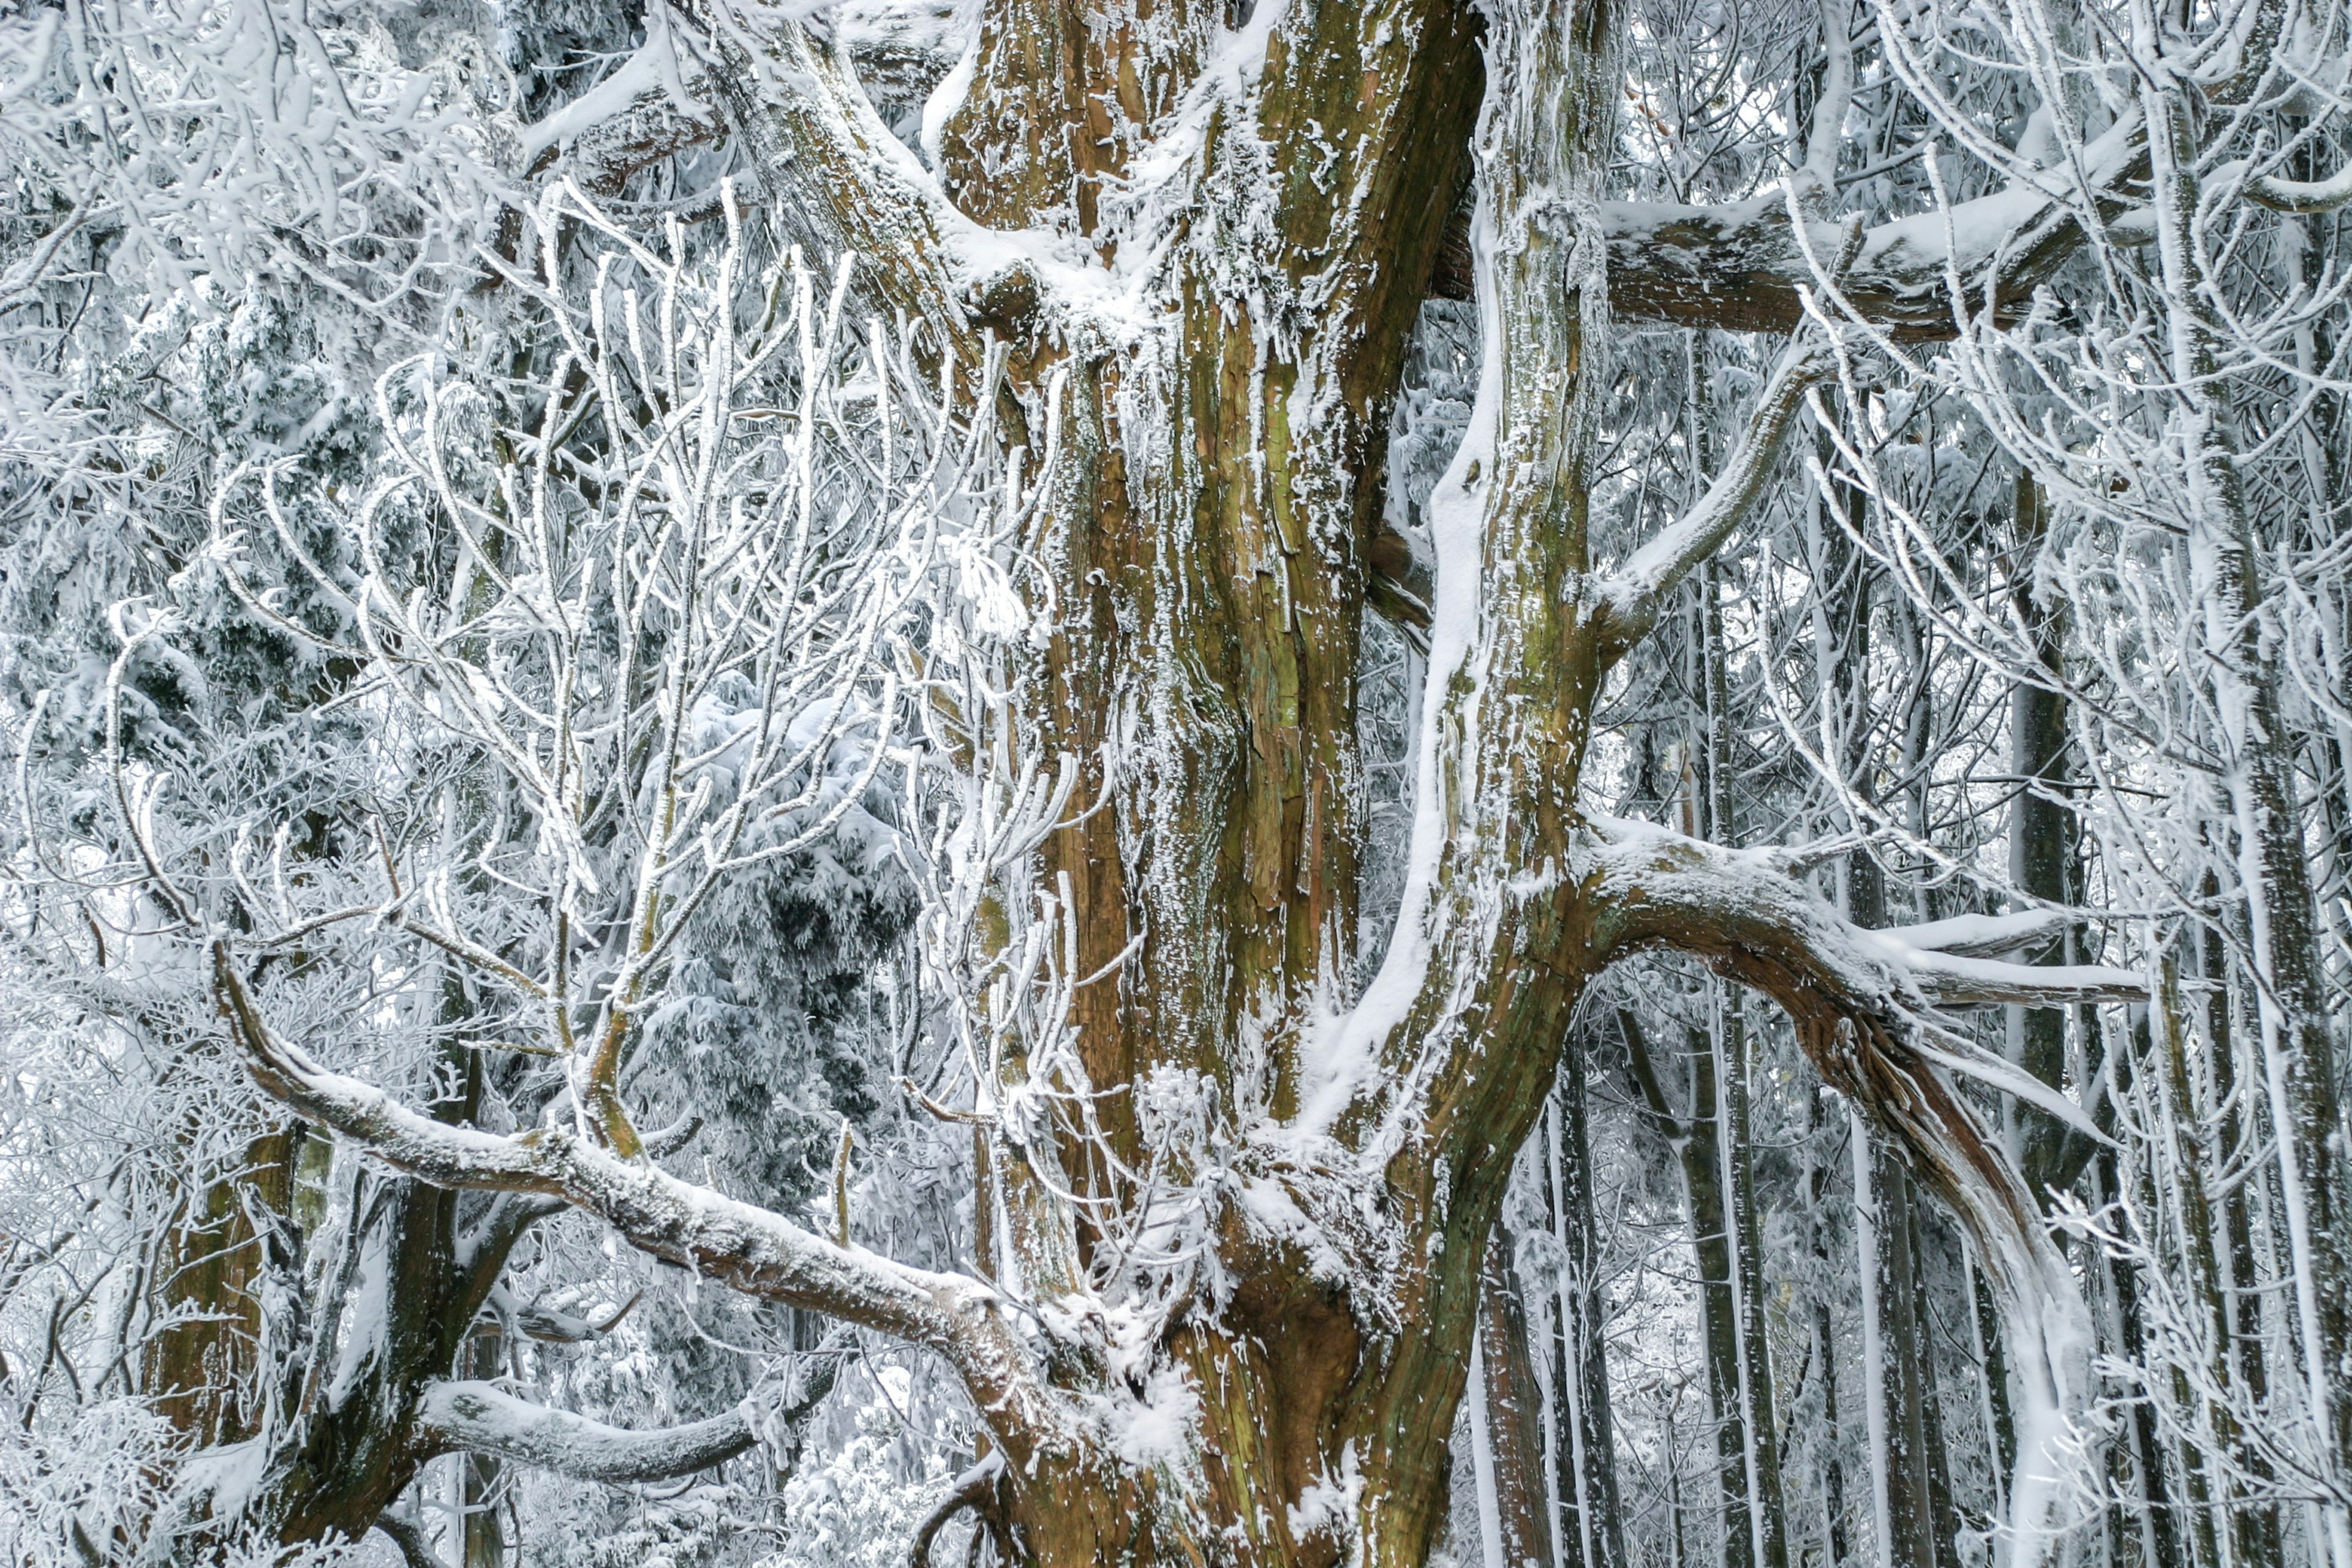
1950,980
1980,936
2305,197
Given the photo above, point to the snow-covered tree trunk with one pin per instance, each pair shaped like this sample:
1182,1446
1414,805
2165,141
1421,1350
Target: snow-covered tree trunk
1235,1194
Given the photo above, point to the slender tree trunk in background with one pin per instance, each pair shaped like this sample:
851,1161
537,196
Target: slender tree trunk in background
485,1498
1943,1519
1828,1442
1695,1138
1910,1487
1513,1412
1758,1425
2183,1149
2254,1525
1592,1528
1892,1379
2043,852
2000,1420
2151,1514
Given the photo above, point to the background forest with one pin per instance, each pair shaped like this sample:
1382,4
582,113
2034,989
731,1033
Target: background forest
312,633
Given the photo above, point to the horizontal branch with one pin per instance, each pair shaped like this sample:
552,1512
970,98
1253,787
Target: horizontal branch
2306,198
1737,266
483,1419
1949,980
1980,936
751,1250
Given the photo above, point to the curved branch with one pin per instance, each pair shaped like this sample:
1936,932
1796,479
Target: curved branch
2304,198
1860,1001
409,1538
1635,595
976,1489
483,1419
1861,1016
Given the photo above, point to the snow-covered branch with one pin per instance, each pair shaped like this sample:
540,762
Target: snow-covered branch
476,1417
751,1249
1863,1000
1740,266
1635,593
1862,1015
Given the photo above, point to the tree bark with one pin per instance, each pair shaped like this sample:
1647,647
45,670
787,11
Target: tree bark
1592,1532
1514,1401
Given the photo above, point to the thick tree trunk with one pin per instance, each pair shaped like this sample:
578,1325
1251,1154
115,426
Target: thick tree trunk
1206,450
205,1367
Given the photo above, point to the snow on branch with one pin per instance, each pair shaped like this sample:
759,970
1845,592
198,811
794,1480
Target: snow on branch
482,1418
1742,267
751,1249
2305,197
667,620
1652,571
1862,1001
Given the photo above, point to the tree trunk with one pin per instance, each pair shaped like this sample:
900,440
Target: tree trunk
1513,1410
1204,554
203,1368
1758,1429
1592,1534
2043,855
1888,1284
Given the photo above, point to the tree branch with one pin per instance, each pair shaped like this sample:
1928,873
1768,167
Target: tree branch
1862,1003
841,180
1640,586
1738,266
751,1250
975,1488
2306,198
1645,1076
482,1418
406,1535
